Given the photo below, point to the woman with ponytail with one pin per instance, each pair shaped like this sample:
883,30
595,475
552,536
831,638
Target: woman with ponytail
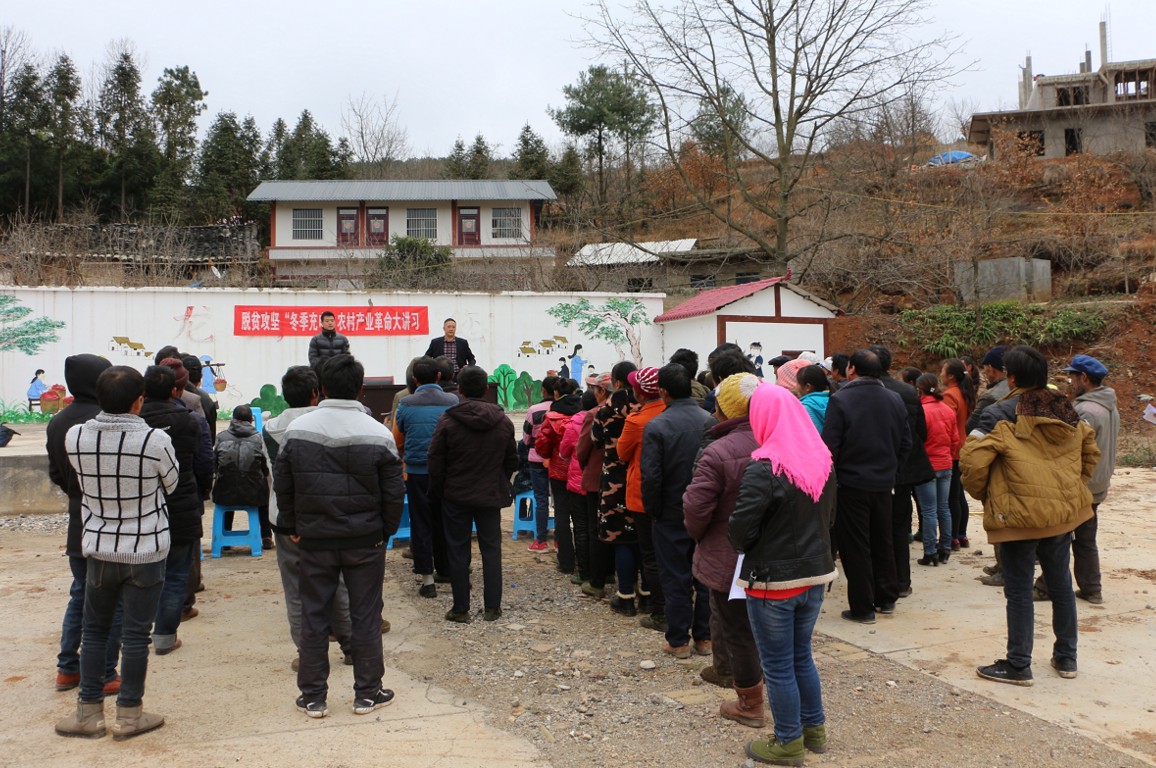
781,524
934,496
959,395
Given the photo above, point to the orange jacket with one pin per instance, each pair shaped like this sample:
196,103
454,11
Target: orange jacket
953,399
630,451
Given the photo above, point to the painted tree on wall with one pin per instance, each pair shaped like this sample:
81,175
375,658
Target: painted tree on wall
616,321
516,392
18,331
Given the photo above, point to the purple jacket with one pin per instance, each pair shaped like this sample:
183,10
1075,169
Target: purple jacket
710,498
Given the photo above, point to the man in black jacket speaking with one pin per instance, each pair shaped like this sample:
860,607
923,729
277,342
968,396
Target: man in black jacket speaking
452,346
329,343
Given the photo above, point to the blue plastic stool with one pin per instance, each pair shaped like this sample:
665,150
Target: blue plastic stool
222,538
403,529
527,523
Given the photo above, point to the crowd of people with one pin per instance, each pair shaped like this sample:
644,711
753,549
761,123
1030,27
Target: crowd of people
711,506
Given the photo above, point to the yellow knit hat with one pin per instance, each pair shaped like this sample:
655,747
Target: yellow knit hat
734,394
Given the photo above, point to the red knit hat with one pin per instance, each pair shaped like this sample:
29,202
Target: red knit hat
645,379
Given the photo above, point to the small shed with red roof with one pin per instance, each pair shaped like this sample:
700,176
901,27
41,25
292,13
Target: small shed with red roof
777,315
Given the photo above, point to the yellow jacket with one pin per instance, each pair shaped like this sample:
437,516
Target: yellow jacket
1032,477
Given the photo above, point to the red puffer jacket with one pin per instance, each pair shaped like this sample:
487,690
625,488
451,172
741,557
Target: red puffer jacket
942,441
553,429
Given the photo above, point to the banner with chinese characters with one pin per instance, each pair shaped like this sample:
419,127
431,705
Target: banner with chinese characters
351,321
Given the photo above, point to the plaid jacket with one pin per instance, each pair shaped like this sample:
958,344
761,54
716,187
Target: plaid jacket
124,468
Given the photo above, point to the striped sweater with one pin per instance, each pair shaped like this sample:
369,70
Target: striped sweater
124,468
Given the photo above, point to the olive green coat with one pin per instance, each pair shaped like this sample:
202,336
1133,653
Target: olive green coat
1032,477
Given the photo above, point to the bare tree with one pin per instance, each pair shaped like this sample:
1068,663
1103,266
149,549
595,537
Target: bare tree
14,54
795,66
375,135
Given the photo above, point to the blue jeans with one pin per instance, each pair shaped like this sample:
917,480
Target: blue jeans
540,481
137,590
1018,559
627,564
68,660
935,510
172,600
782,630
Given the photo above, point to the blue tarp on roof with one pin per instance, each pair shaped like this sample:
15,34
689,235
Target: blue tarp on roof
954,156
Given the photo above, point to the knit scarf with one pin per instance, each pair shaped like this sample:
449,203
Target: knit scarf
788,439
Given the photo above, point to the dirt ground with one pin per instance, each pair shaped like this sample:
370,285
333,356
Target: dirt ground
560,680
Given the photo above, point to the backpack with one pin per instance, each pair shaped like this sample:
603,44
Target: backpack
6,434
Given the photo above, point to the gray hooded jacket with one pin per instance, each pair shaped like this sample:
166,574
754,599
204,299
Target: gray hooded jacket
1098,408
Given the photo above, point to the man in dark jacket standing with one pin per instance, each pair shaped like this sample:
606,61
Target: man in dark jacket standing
471,458
164,410
915,471
866,430
452,346
329,343
413,427
670,443
80,373
242,471
339,490
208,404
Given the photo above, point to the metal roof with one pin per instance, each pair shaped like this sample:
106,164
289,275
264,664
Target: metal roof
610,254
715,299
383,190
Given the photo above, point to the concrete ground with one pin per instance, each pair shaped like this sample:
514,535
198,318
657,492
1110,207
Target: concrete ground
228,693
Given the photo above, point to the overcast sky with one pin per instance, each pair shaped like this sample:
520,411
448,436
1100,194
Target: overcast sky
460,67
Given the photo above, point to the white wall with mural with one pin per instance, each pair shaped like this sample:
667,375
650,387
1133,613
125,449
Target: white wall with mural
257,334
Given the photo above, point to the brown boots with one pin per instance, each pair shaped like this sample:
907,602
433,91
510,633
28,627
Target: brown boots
87,722
133,721
748,710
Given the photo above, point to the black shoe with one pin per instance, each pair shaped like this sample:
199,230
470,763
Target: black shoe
492,614
460,618
1065,667
932,560
991,570
440,579
366,704
944,555
1003,672
886,608
866,618
905,592
657,622
623,605
312,708
645,604
428,590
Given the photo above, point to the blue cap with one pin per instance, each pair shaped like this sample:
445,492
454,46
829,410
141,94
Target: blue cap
1088,365
994,357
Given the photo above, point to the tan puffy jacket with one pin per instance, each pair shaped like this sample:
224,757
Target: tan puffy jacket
1032,477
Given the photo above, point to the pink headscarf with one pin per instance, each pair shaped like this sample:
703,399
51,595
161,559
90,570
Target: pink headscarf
788,439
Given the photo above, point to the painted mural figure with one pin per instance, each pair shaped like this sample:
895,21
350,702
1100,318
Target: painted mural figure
577,363
37,387
756,357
